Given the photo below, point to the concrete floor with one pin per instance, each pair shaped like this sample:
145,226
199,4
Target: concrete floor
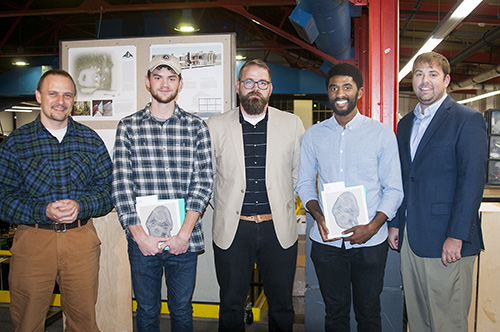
200,324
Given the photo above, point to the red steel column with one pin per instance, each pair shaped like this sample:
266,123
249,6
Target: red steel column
383,64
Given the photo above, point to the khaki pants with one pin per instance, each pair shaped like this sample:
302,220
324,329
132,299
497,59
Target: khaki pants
42,256
437,297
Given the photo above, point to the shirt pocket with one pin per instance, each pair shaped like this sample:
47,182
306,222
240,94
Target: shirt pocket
81,166
38,176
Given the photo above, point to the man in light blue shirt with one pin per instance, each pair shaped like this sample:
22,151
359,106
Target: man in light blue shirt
357,150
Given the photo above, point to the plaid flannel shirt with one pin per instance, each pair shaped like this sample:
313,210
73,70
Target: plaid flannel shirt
35,170
172,160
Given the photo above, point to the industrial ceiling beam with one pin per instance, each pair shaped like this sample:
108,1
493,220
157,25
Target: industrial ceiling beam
94,7
302,63
479,57
13,27
443,7
242,11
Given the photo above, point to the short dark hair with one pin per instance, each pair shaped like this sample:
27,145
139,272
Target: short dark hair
161,67
58,72
345,69
432,59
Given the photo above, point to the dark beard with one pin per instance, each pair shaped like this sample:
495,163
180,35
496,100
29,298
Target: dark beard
253,106
351,105
164,100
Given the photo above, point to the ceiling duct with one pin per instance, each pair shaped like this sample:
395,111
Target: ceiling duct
333,23
471,81
489,38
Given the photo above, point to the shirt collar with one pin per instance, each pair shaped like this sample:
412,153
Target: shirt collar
39,127
148,116
429,111
242,119
356,121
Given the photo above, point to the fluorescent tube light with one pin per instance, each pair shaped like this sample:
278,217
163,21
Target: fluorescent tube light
27,107
18,110
429,45
457,14
486,95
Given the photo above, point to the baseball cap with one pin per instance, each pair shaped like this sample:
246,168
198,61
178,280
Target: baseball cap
166,60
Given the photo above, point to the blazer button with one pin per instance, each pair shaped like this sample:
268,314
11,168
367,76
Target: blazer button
411,179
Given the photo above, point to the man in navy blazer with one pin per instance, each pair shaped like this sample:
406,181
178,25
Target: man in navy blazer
443,152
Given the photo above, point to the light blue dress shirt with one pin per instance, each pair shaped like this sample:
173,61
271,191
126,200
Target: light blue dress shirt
421,122
364,153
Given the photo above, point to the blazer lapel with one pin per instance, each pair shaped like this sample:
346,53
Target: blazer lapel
404,134
237,139
272,133
439,117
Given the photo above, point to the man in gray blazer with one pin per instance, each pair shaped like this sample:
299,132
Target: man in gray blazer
256,157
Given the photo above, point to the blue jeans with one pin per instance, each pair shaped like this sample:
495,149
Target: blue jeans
180,276
339,269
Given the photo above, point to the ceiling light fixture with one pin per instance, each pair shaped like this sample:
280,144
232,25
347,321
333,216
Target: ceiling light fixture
240,57
186,23
457,14
27,107
23,109
20,63
486,95
17,110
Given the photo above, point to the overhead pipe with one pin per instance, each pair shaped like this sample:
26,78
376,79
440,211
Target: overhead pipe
490,37
333,22
479,78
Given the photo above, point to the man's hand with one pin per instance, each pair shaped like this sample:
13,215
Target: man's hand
177,244
64,211
324,231
363,233
360,234
393,238
451,251
148,245
315,210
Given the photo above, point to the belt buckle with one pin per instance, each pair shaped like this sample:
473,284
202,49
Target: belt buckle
59,228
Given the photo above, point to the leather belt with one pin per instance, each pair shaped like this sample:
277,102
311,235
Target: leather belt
257,218
59,227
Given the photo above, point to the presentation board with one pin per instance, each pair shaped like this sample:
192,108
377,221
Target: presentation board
110,75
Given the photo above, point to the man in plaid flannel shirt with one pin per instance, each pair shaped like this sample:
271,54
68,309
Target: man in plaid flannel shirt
55,174
163,150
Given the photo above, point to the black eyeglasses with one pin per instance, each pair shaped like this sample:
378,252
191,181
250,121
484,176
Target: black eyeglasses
249,84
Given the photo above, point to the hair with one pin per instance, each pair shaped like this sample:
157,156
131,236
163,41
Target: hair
164,66
58,72
433,59
255,62
345,69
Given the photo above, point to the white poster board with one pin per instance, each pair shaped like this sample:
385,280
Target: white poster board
110,74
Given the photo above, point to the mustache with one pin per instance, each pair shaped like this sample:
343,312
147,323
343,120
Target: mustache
256,93
339,99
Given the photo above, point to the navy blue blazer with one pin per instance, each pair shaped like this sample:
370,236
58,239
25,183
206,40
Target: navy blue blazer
443,186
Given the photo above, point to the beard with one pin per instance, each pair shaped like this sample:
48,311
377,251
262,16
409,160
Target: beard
254,106
351,105
164,99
